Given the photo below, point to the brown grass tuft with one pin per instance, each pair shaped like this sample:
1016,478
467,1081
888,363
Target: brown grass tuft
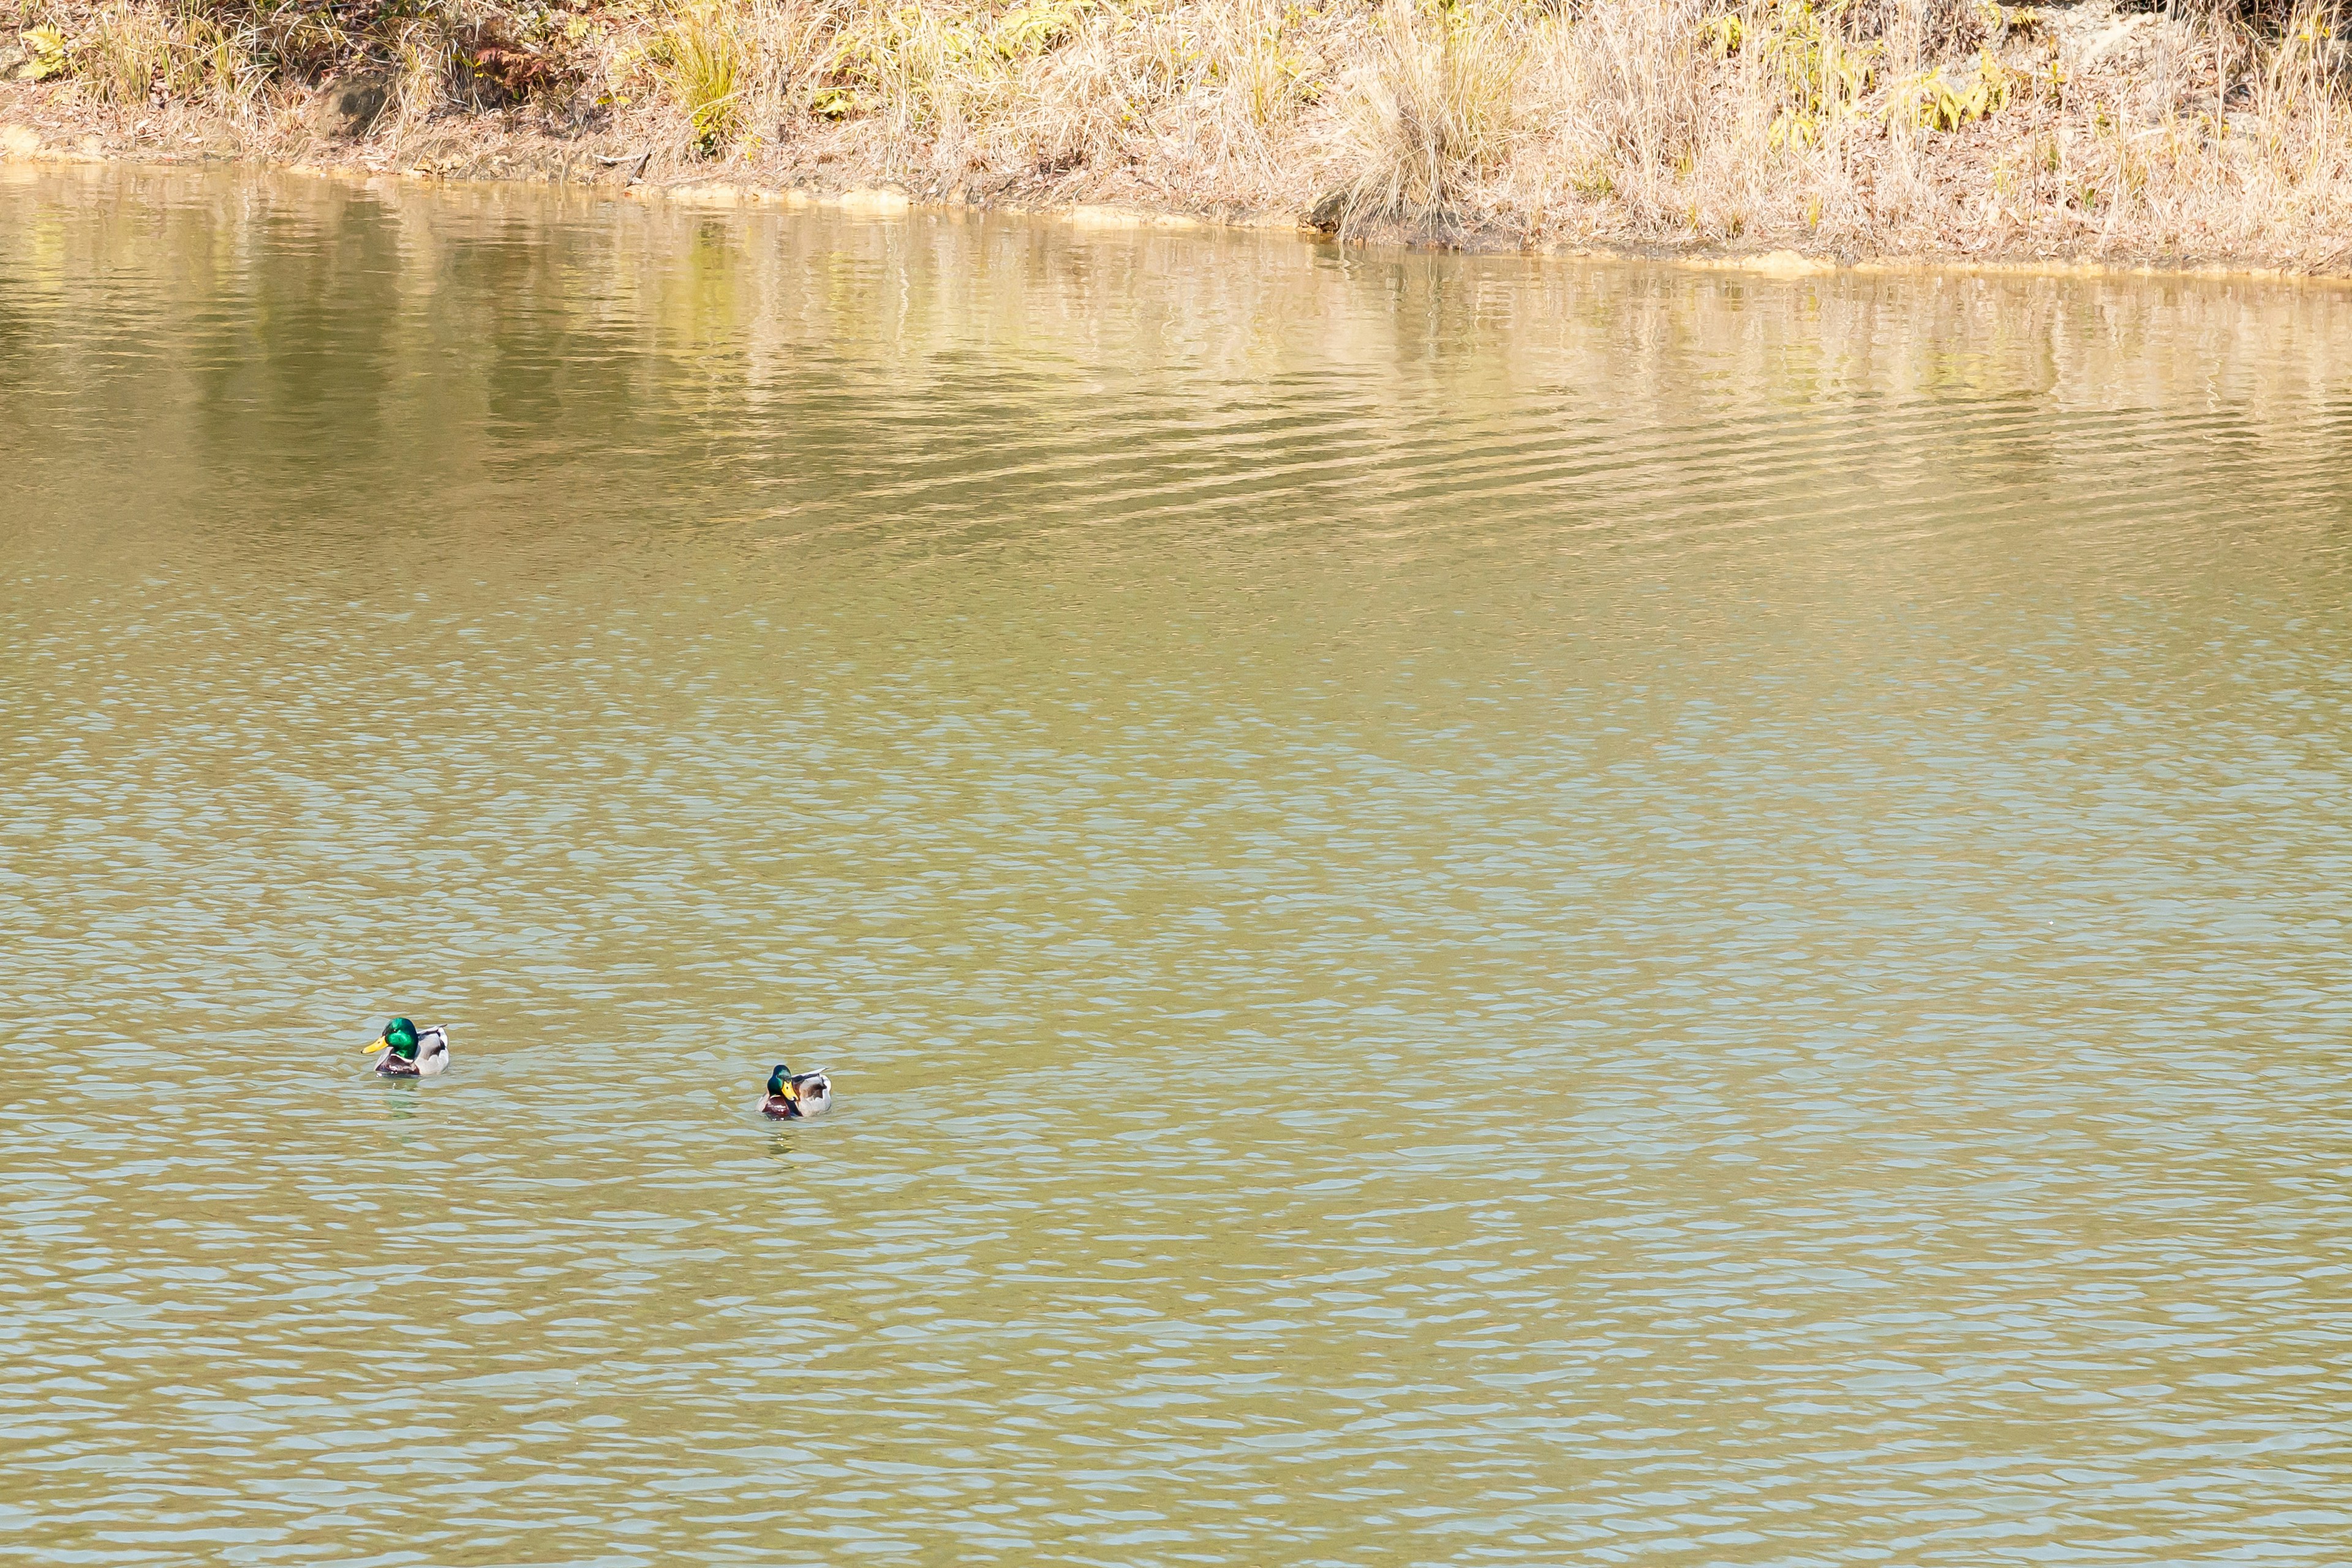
1432,114
147,57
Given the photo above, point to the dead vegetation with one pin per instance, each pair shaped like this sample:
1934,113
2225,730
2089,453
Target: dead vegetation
2201,130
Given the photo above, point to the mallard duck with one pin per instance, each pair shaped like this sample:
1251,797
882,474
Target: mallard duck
792,1095
411,1052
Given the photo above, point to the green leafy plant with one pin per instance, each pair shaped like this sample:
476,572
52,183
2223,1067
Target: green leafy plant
48,54
1949,99
1818,74
1028,31
923,63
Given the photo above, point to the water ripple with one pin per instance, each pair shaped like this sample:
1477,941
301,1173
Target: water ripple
1466,910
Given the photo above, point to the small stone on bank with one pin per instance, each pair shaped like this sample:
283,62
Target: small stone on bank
348,109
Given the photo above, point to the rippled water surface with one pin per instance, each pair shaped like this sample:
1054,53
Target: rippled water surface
1465,911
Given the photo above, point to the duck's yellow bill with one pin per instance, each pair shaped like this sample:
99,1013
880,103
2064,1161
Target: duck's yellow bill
370,1051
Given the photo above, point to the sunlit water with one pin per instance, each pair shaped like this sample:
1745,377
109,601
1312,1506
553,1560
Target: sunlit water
1464,911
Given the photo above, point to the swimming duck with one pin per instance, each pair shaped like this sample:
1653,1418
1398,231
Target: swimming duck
411,1052
791,1096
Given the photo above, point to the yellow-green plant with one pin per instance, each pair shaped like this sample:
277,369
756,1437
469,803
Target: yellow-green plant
2005,22
1028,31
916,60
896,57
1946,101
48,51
699,58
2304,66
1815,71
1272,80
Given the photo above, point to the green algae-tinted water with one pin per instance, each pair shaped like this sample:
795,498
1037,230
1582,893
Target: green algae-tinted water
1465,911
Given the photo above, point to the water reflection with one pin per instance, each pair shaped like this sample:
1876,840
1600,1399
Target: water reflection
1470,911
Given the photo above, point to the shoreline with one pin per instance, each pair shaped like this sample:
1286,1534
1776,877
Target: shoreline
1776,137
22,147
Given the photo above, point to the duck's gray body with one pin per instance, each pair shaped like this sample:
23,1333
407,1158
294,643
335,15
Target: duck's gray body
432,1057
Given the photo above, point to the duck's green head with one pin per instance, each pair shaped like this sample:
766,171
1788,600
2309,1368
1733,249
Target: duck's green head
400,1036
780,1082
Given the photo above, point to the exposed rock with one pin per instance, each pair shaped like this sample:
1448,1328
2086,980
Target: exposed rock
16,60
348,107
1331,211
876,200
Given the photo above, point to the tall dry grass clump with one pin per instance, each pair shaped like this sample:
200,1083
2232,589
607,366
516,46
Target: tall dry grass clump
149,55
1619,107
1432,114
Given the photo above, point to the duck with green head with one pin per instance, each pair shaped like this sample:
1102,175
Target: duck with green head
794,1095
411,1052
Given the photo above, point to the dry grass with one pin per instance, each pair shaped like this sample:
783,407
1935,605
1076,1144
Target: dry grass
1432,113
701,60
2209,130
149,56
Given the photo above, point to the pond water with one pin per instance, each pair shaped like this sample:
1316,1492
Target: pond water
1465,911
